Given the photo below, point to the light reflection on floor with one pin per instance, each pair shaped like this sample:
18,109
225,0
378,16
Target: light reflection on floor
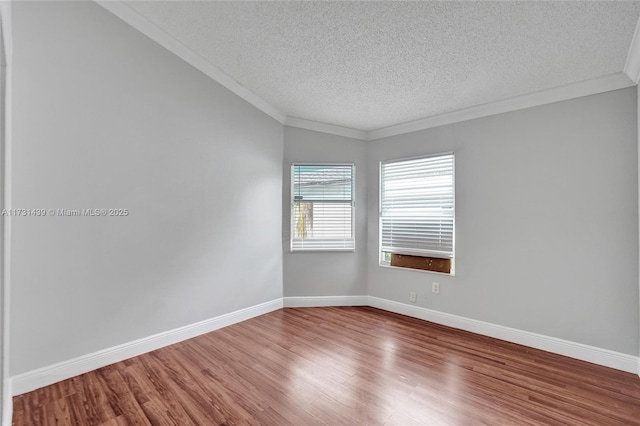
321,387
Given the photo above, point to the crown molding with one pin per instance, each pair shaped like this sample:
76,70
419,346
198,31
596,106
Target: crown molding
632,64
167,41
629,77
593,86
331,129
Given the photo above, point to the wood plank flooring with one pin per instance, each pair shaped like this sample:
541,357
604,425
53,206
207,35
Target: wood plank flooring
339,366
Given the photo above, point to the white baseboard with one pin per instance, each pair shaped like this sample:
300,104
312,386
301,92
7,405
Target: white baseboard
35,379
7,403
580,351
318,301
45,376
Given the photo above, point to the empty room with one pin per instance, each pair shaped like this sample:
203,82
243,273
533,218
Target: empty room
319,213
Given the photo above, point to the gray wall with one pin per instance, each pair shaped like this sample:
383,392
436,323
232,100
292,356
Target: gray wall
546,220
333,273
5,396
106,118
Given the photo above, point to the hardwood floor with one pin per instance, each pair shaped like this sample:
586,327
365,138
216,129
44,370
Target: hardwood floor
339,366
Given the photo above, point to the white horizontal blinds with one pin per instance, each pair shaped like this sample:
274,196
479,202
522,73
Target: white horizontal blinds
417,206
322,207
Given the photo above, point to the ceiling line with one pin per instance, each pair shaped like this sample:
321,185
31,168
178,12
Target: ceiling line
592,86
629,77
632,64
170,43
332,129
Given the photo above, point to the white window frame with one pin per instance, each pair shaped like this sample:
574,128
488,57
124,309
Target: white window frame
323,245
424,253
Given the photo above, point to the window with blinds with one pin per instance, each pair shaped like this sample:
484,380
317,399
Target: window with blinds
417,212
322,207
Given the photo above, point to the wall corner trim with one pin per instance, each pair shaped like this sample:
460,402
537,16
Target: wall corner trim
32,380
604,357
174,46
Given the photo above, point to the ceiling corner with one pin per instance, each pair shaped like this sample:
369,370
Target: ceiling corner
5,32
632,65
331,129
589,87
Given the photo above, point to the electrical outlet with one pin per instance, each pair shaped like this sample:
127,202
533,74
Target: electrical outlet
413,297
435,287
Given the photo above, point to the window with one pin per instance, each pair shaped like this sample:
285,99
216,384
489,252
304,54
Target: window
322,207
417,212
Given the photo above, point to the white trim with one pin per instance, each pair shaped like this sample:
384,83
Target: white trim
632,64
331,129
45,376
174,46
7,403
593,86
318,301
5,191
606,83
580,351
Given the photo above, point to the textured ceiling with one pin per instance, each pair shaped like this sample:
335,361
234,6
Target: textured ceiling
367,65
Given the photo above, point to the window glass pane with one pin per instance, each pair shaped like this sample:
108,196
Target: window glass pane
322,207
318,183
417,211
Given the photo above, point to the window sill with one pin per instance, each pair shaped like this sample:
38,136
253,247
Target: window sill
386,265
316,250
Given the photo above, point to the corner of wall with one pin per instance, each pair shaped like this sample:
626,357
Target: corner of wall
6,48
638,147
